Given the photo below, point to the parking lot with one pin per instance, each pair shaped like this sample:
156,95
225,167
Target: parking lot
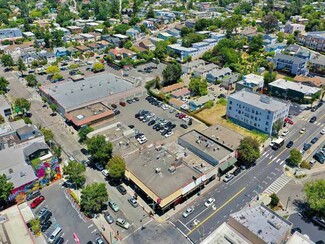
65,216
127,116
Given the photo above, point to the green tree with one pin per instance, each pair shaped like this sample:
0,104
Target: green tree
295,157
121,28
31,80
277,126
191,38
7,60
314,191
135,7
172,73
99,148
75,172
97,67
127,45
2,119
22,104
48,135
249,150
57,150
268,78
57,77
290,39
256,43
116,167
52,70
198,87
150,13
83,132
269,22
185,31
274,200
280,36
54,108
21,66
5,188
93,198
35,225
3,85
161,50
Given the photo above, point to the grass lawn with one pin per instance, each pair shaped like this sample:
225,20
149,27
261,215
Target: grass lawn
214,115
35,162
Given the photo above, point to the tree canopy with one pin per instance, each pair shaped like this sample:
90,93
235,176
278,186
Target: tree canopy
295,157
5,188
21,65
3,85
315,191
48,135
269,22
99,148
75,171
7,60
98,67
53,69
268,78
172,73
31,80
249,150
93,198
161,49
116,167
198,87
83,132
22,104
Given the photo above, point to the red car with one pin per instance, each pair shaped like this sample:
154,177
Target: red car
288,120
181,116
123,104
37,201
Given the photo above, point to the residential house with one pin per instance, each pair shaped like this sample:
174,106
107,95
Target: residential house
317,65
269,39
203,71
216,75
164,35
65,31
60,51
181,93
29,58
315,81
312,40
248,32
103,44
114,41
75,29
29,35
113,21
298,19
229,82
198,103
16,50
293,91
251,82
48,56
166,16
172,88
217,36
123,38
277,47
11,34
88,37
94,47
290,28
149,24
190,23
35,150
176,103
174,33
189,67
121,53
290,64
28,132
146,44
97,35
155,40
200,14
82,49
255,111
183,52
133,33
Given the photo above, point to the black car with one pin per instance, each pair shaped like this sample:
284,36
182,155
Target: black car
172,126
313,119
136,99
290,144
46,225
116,112
45,217
307,146
60,240
152,122
158,128
295,229
138,135
121,189
184,126
129,101
113,105
314,140
131,126
33,195
237,171
222,96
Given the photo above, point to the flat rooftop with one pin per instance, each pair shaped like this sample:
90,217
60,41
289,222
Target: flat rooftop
70,95
113,132
223,135
285,84
151,166
260,101
264,223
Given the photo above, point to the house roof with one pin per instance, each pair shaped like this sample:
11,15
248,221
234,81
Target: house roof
34,147
59,49
181,92
316,81
284,84
82,48
176,102
293,59
117,51
173,87
202,100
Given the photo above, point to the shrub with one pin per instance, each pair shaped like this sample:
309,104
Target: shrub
274,200
74,196
304,164
208,104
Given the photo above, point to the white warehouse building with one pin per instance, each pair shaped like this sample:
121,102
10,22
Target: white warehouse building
255,111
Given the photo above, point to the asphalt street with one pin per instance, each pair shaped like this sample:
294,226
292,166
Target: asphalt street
236,194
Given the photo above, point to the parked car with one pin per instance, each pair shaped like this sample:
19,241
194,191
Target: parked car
45,217
184,126
285,133
113,206
237,171
60,240
122,222
46,226
133,202
99,240
290,144
99,166
123,104
228,177
32,195
109,218
188,211
289,121
42,212
302,131
313,119
37,201
116,111
113,105
307,146
314,140
121,189
105,172
209,202
322,131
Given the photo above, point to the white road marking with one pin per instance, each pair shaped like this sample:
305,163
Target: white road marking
278,160
263,153
267,155
90,226
94,231
197,216
282,162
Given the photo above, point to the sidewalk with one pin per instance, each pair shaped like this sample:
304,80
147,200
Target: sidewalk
105,229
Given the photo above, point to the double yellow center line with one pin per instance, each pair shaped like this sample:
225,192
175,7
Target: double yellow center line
215,211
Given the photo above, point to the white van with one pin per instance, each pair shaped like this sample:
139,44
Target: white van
55,234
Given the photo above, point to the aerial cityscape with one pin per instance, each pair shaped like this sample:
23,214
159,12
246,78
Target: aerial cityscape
163,122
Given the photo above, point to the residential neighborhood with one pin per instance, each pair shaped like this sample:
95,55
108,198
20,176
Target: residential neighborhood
162,121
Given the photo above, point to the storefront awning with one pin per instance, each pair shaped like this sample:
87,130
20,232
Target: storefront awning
227,164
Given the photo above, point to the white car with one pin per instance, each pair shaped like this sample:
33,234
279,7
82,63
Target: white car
285,133
272,143
188,212
105,172
169,134
209,202
322,131
302,131
228,177
99,166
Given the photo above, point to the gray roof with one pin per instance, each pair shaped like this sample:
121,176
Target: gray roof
220,72
20,175
289,58
71,94
202,100
34,147
318,60
60,49
257,100
285,84
10,33
28,129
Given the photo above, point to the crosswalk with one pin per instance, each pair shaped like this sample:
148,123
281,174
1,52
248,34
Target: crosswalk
316,123
277,185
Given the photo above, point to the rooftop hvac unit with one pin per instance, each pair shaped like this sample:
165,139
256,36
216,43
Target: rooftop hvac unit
22,174
172,169
158,170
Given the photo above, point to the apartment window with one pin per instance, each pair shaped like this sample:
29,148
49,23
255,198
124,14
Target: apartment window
268,117
229,107
267,123
230,102
265,129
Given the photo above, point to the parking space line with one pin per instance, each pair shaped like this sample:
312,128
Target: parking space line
278,160
184,225
197,216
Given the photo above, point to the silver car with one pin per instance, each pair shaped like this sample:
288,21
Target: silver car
133,202
109,218
188,211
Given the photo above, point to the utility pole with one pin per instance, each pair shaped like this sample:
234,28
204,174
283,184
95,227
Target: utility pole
288,203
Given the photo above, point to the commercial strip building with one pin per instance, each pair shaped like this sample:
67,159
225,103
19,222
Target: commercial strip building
256,112
294,91
86,102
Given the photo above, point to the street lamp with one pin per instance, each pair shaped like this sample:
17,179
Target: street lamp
288,203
